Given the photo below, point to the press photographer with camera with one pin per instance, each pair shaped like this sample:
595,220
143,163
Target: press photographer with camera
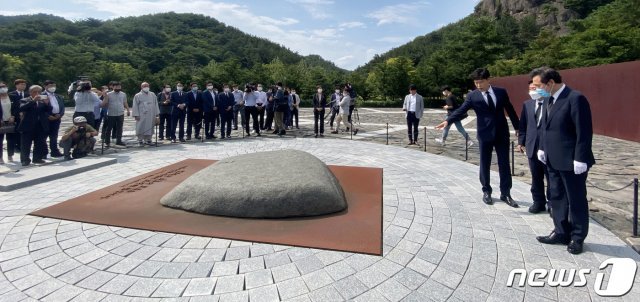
85,100
34,127
79,137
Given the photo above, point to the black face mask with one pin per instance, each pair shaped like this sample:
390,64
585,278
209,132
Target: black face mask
117,90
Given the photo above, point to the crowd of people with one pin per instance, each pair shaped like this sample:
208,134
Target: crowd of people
33,115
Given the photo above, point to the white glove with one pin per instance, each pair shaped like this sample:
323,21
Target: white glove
579,168
542,157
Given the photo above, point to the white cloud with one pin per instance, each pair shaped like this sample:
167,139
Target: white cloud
393,39
404,13
353,24
326,33
34,11
315,8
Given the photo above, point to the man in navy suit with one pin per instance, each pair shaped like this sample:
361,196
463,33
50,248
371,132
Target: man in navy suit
178,112
489,104
210,110
565,148
529,143
194,115
57,111
227,100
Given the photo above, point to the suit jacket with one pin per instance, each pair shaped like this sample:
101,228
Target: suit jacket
567,131
177,99
34,114
419,105
194,101
226,100
320,102
208,101
60,100
492,125
15,104
529,133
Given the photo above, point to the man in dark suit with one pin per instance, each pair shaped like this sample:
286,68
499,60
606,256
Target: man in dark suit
35,110
178,112
194,115
15,97
210,110
319,104
489,104
57,111
529,142
227,100
565,148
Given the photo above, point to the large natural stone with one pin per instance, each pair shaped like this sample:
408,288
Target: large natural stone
274,184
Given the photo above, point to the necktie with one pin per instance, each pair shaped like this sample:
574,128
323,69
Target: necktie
550,106
538,110
21,95
492,106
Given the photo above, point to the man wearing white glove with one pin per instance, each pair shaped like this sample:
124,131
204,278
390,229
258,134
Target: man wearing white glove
565,148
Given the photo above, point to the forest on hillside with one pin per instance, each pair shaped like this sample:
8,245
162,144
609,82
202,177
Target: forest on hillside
161,48
170,47
610,33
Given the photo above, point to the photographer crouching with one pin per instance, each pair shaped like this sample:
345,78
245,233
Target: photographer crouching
79,137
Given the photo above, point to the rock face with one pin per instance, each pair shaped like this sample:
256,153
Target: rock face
548,13
274,184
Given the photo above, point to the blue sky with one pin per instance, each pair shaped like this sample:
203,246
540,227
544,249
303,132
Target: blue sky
348,33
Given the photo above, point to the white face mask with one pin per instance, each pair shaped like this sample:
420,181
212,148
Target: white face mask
319,90
51,89
259,88
210,87
337,91
226,90
534,95
179,88
145,89
4,90
167,90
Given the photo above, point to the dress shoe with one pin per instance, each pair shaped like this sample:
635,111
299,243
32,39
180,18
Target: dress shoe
537,208
486,198
38,161
355,132
553,238
67,157
508,200
25,163
188,138
182,140
574,247
56,154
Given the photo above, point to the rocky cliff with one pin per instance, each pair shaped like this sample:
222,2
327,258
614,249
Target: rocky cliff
548,13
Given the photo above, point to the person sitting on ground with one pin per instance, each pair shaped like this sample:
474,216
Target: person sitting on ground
79,137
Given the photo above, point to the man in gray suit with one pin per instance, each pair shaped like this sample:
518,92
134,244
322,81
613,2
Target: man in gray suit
414,107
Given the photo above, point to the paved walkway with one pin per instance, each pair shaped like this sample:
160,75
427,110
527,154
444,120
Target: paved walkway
441,243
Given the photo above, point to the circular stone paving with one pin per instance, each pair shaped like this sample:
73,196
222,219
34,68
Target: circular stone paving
440,241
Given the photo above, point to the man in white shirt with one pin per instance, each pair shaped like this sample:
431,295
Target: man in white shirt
414,108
